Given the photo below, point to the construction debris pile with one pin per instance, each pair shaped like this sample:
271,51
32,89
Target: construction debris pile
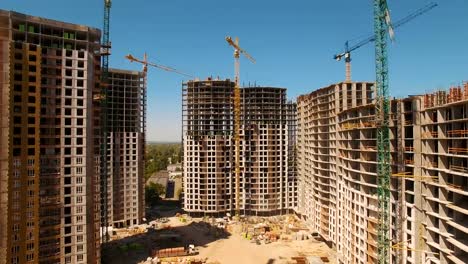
261,230
156,260
116,234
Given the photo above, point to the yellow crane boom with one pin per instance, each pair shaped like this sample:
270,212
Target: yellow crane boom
162,67
237,51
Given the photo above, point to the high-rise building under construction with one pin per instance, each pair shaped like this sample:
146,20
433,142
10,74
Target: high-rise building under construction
49,196
50,142
337,173
268,184
126,147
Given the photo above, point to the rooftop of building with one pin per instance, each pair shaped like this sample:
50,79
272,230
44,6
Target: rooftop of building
47,21
217,80
123,71
323,89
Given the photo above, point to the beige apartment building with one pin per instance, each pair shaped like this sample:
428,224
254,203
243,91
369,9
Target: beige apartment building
50,141
49,197
338,182
268,184
126,149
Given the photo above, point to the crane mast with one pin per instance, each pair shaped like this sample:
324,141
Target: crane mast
105,52
237,113
348,63
382,106
237,125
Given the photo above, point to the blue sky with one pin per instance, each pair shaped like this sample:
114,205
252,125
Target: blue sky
292,41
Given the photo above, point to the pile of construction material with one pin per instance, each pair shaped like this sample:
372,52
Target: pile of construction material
183,217
301,235
310,260
264,230
119,233
260,232
151,260
157,260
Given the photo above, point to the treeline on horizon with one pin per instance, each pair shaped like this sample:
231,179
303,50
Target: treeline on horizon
158,154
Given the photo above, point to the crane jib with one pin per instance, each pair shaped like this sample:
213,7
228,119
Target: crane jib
399,23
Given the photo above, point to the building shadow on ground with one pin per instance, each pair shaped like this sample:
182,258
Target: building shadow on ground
164,208
137,248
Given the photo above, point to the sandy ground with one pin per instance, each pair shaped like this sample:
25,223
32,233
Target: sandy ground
226,248
236,250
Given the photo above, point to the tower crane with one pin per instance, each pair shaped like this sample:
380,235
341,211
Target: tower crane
146,64
105,52
382,116
346,54
237,51
382,27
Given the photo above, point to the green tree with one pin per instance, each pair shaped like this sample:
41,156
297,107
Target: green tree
157,157
153,192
